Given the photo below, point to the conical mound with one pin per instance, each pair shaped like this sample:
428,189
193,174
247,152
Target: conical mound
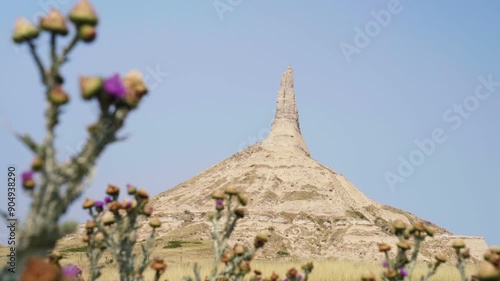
309,210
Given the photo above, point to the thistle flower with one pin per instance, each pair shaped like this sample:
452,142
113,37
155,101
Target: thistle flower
71,271
87,33
399,226
238,249
99,206
114,206
83,13
135,86
114,86
292,272
385,264
24,31
274,277
148,210
58,96
90,86
36,164
219,204
54,22
403,272
441,258
27,179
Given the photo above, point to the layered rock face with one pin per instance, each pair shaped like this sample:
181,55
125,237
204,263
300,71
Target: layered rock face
310,210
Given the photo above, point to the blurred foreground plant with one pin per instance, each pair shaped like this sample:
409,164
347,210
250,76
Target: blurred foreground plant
401,267
114,227
54,186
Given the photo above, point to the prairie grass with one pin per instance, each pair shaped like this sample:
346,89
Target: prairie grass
324,270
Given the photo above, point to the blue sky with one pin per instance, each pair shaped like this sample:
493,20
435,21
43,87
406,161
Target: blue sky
360,114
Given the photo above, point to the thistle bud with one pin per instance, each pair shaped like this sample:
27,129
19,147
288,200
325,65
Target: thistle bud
292,273
495,249
148,210
383,247
245,267
112,190
143,194
420,226
24,31
240,212
458,244
99,237
486,271
239,249
430,230
274,277
54,22
441,258
231,189
87,33
368,276
399,225
89,203
466,253
114,206
86,238
131,190
154,222
90,86
308,266
83,13
99,206
136,87
260,240
58,96
404,245
89,225
158,265
218,195
108,219
36,165
243,199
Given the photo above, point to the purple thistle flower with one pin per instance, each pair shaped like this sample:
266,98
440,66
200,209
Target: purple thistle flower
107,199
128,204
403,272
385,264
300,277
114,86
71,271
99,204
286,279
219,203
27,175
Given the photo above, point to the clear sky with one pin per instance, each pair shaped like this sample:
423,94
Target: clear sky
364,99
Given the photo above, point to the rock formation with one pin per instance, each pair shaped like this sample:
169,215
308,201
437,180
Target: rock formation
310,210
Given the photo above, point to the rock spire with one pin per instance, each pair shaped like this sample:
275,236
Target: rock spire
285,132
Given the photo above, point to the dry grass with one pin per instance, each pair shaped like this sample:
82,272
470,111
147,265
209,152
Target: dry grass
181,261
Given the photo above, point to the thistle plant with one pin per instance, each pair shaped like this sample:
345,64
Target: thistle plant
114,227
54,186
229,209
401,267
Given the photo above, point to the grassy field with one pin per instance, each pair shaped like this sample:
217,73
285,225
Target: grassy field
180,262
